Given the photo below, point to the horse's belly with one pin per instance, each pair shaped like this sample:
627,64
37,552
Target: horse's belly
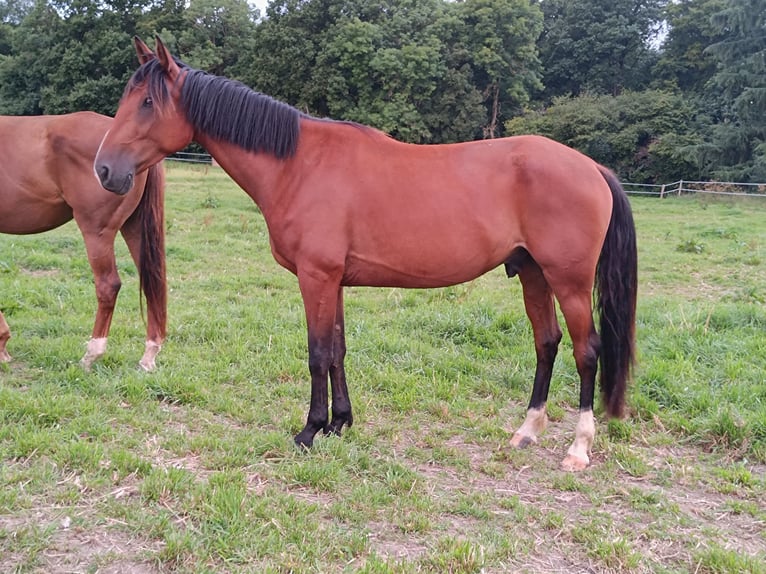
33,217
415,273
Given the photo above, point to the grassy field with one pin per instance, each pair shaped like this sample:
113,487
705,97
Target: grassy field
192,468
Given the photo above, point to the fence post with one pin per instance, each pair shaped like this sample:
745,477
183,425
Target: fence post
680,186
662,191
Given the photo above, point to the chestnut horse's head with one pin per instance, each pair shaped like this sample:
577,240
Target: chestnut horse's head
150,122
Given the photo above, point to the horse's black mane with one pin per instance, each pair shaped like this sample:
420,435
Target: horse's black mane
228,110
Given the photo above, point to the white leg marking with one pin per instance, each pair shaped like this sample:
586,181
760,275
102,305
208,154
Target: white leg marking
577,456
534,424
150,352
96,348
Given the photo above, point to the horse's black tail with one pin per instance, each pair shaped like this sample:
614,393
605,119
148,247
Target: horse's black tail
151,269
616,289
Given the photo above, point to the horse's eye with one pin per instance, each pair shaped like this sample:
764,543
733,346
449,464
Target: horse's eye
148,102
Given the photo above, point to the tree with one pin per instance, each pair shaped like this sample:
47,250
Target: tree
499,42
684,61
23,74
738,142
643,136
214,34
422,70
384,71
70,56
598,46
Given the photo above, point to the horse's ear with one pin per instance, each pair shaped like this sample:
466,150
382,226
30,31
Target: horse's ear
142,50
166,60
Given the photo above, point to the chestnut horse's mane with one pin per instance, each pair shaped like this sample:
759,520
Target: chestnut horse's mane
228,110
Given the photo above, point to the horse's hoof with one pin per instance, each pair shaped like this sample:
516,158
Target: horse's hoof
146,366
303,442
336,425
574,463
4,357
522,441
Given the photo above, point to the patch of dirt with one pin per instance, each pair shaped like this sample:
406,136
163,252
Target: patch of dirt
74,545
680,515
40,272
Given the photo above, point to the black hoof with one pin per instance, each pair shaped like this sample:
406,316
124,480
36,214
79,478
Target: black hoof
525,442
336,426
304,440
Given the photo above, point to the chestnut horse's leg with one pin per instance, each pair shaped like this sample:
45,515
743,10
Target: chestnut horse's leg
539,304
5,334
100,250
131,233
341,404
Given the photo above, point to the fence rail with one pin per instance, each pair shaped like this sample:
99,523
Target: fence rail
661,190
192,157
682,187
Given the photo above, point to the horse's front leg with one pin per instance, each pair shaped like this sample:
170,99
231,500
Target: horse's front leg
341,403
5,334
320,291
100,249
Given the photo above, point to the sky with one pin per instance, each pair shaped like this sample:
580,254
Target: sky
260,4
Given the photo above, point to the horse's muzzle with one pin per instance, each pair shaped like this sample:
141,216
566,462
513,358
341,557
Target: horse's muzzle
112,180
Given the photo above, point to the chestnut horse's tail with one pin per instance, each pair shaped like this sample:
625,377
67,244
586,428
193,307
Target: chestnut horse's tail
151,270
616,288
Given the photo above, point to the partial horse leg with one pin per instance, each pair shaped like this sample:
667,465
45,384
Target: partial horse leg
577,310
341,403
320,291
539,304
131,233
5,334
100,249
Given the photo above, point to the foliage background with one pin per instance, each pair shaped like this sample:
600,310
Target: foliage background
657,90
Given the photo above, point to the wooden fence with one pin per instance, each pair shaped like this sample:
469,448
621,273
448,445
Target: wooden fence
682,187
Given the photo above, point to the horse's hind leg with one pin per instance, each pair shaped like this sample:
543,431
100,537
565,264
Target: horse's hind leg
576,307
5,334
100,249
538,302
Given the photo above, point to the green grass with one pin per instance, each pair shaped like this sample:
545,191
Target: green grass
192,468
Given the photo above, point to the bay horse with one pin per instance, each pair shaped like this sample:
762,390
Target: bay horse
346,205
47,179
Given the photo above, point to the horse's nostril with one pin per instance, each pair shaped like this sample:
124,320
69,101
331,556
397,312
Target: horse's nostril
103,172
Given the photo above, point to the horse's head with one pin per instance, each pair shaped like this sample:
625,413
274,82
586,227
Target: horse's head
150,122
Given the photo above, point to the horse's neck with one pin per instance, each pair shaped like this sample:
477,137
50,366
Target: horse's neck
257,174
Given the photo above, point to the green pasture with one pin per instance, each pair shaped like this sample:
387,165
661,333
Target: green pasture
192,468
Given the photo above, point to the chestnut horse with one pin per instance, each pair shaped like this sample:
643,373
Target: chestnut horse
47,179
347,205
